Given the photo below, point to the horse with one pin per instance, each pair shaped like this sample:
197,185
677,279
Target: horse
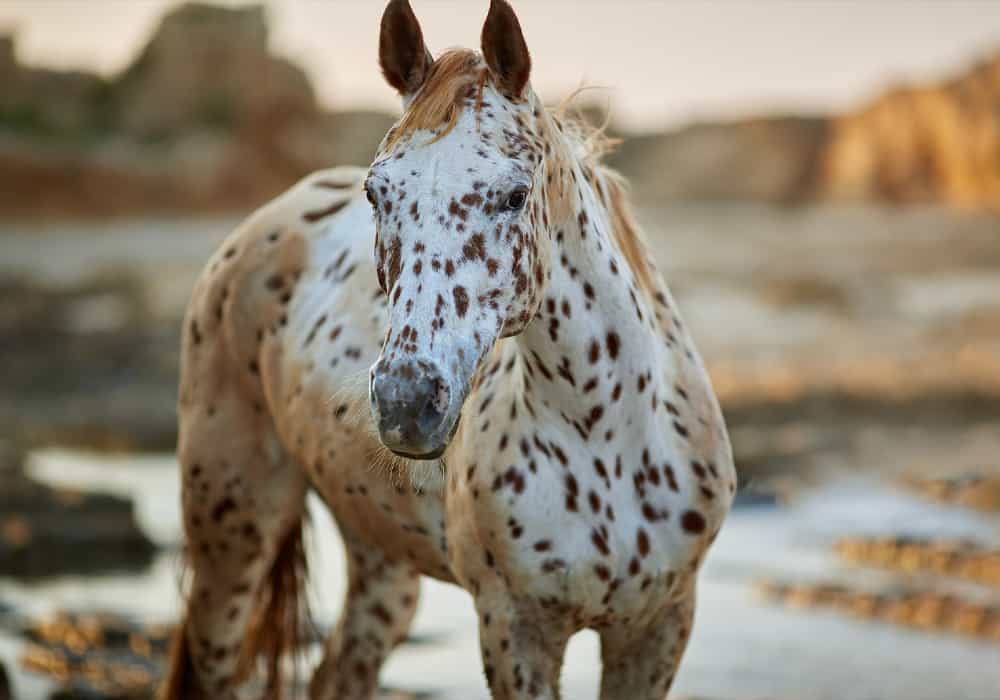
467,352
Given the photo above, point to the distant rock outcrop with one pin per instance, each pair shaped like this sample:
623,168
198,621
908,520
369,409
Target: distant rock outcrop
206,118
939,143
767,159
209,66
37,102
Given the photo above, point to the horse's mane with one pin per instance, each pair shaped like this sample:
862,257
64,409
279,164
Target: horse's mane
592,141
591,144
626,231
459,75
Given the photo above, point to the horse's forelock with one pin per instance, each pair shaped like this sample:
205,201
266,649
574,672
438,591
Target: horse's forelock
456,75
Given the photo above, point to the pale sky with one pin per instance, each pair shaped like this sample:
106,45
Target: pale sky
665,62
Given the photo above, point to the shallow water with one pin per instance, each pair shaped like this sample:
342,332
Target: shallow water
740,648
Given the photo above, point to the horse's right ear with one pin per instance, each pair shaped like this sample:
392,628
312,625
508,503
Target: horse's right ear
404,59
504,49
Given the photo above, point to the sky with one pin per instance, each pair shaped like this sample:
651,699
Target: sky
658,63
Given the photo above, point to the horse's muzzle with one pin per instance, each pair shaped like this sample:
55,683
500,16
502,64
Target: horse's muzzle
411,403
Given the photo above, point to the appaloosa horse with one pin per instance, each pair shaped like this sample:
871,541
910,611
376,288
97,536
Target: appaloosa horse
503,397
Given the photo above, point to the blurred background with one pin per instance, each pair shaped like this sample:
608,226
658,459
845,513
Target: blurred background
820,182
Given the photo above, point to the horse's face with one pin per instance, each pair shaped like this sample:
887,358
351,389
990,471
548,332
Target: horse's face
459,234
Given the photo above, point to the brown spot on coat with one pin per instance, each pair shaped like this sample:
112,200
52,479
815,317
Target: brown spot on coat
318,214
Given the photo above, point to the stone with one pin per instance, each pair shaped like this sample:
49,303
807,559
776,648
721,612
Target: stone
86,366
50,532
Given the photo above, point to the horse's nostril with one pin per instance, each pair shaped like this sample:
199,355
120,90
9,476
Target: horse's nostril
440,396
435,404
432,401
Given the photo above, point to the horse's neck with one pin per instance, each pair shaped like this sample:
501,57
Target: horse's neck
596,331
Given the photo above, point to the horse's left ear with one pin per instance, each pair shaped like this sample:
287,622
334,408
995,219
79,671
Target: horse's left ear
504,49
404,59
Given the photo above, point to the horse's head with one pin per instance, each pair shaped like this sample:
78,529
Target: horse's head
461,240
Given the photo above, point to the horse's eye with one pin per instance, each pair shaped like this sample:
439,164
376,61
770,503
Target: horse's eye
517,199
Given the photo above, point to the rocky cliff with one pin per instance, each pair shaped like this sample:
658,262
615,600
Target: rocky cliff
771,159
35,102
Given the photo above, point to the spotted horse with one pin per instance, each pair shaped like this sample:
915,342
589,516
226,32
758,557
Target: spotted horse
503,396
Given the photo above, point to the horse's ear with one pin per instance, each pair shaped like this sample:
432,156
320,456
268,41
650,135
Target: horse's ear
504,49
404,59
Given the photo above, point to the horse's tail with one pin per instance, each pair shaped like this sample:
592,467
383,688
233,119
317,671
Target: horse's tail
281,620
278,625
179,681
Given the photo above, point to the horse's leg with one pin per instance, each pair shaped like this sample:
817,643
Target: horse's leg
243,500
522,648
639,663
379,606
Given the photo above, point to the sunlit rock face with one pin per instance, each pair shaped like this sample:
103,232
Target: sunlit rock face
934,143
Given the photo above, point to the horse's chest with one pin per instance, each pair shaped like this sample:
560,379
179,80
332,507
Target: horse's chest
592,526
400,514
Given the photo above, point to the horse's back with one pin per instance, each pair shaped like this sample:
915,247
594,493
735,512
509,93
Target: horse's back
243,294
248,301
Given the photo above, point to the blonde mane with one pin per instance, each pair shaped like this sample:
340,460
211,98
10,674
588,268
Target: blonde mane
627,233
591,144
457,75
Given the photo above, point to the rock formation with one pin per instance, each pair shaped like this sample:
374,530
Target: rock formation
206,118
48,103
210,67
766,159
938,144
